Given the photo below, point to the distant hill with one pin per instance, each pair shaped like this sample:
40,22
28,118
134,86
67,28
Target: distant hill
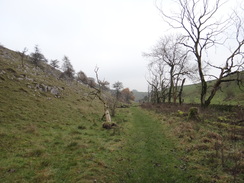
139,95
230,93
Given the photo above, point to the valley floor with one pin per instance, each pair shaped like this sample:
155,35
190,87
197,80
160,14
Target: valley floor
147,155
146,147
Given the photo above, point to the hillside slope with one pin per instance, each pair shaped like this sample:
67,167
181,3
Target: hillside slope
49,129
34,93
229,94
139,96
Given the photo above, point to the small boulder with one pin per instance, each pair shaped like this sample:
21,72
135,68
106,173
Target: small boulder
55,91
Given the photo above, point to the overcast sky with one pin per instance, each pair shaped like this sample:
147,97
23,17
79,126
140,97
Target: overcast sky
110,34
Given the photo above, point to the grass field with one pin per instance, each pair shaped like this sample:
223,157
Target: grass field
211,144
147,154
46,137
229,94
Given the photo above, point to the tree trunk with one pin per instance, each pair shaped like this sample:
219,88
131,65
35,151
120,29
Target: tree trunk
201,75
171,84
181,90
106,113
213,91
107,116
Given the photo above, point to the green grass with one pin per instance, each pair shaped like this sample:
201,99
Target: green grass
230,93
146,154
44,138
212,145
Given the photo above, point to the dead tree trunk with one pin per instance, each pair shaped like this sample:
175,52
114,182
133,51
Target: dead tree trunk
107,114
99,95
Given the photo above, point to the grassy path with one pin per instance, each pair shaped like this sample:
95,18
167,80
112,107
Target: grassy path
148,156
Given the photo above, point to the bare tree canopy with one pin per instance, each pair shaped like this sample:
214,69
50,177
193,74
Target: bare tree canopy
168,66
202,31
23,55
99,93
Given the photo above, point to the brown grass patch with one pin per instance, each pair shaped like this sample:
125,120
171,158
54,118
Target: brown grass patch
213,135
32,129
206,140
201,147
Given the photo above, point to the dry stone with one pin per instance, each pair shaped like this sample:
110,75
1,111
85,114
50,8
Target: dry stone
55,91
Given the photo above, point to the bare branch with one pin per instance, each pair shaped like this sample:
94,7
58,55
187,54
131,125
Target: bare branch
197,18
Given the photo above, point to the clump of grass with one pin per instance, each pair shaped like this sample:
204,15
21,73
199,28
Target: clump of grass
206,140
182,113
72,145
201,147
45,163
193,114
213,135
35,153
81,127
109,125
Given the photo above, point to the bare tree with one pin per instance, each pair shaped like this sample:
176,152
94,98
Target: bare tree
98,92
202,31
104,85
170,59
157,82
22,55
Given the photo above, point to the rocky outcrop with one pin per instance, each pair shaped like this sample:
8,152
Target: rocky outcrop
54,90
12,74
31,76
